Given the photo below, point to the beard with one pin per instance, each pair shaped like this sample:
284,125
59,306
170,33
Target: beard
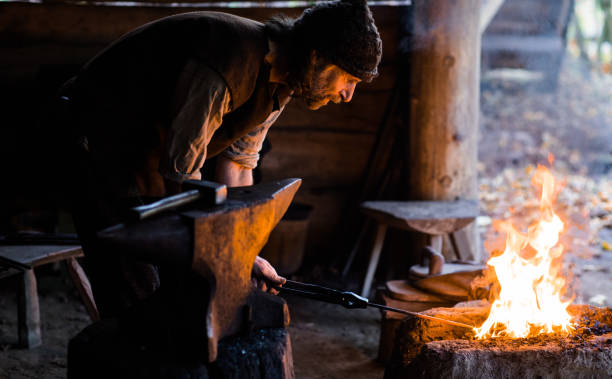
316,93
315,101
313,87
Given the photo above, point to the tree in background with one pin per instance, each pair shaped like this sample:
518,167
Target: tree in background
590,34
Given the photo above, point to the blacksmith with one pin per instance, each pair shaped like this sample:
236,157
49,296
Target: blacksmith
152,109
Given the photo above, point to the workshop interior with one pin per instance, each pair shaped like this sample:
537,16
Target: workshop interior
444,210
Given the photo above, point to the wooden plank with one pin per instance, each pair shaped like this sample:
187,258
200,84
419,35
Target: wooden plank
46,53
529,17
74,24
329,208
402,290
430,217
82,23
526,44
385,81
29,256
325,159
28,312
424,210
363,114
419,271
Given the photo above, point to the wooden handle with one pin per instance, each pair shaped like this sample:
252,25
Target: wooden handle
210,193
143,211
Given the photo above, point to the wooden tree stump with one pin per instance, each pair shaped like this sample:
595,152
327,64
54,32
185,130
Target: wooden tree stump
469,359
429,349
100,352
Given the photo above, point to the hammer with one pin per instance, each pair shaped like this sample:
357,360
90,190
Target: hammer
210,193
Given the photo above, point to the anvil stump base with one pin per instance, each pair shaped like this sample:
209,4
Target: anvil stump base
429,349
98,352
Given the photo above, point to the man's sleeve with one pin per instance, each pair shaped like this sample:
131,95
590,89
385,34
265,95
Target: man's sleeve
202,98
245,151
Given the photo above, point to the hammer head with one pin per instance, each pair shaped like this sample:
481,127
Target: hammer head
211,193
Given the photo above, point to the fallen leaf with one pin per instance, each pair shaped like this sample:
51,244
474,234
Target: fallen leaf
483,221
598,300
593,268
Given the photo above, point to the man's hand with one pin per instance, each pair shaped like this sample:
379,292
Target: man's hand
264,276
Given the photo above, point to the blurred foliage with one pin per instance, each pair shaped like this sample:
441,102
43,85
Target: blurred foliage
590,33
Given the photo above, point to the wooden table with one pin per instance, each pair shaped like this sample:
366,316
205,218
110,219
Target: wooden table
21,260
434,218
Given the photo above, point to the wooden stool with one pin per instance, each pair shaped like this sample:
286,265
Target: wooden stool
434,218
22,259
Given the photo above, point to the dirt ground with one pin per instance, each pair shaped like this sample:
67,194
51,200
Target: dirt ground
519,127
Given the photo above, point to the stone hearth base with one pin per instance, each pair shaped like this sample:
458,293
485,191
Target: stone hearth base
476,359
427,350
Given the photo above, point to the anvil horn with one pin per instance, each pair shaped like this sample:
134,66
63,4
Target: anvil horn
220,242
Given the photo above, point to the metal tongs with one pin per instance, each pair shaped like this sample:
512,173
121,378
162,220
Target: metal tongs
350,300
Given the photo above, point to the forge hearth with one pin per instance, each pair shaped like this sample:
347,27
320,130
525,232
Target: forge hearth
428,349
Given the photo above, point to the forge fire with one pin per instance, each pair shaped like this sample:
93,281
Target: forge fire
529,326
529,272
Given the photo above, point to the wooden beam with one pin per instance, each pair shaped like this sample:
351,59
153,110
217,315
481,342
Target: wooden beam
443,101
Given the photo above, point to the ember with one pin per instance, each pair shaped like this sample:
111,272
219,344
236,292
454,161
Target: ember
530,275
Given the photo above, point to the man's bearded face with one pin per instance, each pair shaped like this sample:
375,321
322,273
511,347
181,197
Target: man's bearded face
328,83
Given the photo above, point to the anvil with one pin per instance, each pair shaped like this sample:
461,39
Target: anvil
219,243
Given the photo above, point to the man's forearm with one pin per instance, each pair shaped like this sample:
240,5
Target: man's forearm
232,174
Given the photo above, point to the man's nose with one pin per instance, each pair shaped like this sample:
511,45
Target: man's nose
347,93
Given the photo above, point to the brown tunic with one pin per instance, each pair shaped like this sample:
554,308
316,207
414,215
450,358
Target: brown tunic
172,93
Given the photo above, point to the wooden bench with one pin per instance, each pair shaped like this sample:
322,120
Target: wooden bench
433,218
21,260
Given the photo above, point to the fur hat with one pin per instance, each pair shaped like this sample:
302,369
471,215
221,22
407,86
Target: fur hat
344,32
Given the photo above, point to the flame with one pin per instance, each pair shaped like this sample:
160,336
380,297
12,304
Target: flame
530,274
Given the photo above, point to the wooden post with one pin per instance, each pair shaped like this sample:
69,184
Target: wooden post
28,312
443,99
